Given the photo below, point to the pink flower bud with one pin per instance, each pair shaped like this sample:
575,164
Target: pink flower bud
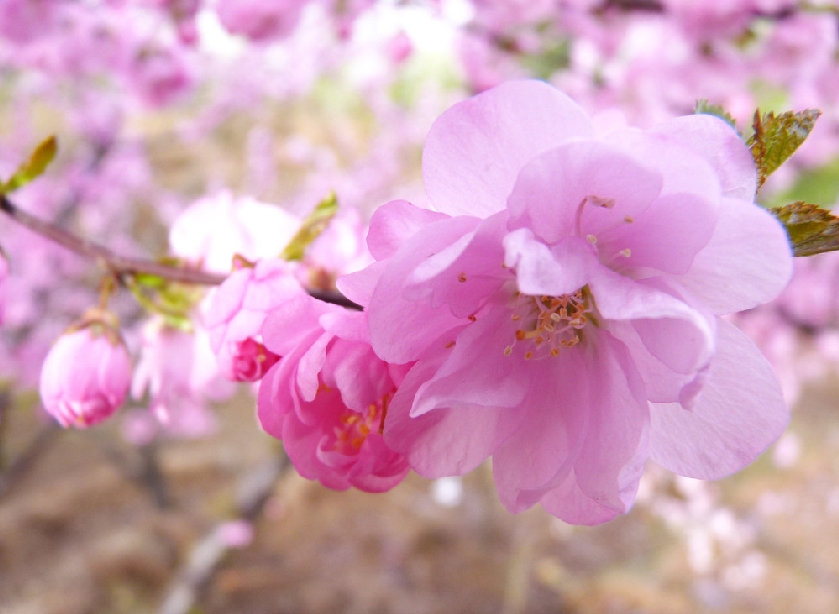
86,375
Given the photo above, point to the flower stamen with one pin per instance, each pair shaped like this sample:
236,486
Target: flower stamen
551,323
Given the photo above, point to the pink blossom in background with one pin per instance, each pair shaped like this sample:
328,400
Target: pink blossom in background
562,303
177,372
215,228
236,311
258,20
4,272
85,376
340,249
327,399
159,74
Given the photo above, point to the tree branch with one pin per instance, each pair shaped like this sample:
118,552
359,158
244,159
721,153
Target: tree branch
126,266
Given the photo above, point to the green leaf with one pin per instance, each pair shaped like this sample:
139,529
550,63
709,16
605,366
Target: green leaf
703,107
311,229
776,137
33,167
811,229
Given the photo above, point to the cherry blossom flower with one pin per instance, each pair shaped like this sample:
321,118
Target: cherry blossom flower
236,312
86,374
328,397
561,304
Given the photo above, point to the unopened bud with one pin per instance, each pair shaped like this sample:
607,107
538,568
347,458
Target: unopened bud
87,373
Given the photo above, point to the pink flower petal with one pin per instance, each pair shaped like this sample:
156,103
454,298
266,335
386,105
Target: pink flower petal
581,188
737,415
474,150
747,261
444,442
401,329
394,223
721,146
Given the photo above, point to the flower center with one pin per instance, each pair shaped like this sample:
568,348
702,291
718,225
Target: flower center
354,427
548,324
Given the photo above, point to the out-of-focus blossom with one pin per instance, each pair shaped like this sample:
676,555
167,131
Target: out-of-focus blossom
178,372
328,397
237,310
216,228
159,74
87,373
561,304
4,272
259,20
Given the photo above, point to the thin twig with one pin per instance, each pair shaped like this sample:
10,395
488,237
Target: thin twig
122,266
207,554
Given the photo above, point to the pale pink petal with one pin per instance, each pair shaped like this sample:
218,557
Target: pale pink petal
666,237
475,149
539,455
565,268
616,446
394,223
401,329
581,188
737,415
466,274
721,146
359,286
748,260
676,334
444,442
570,504
477,372
683,170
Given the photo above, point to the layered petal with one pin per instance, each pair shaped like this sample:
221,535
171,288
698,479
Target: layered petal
474,151
747,261
738,413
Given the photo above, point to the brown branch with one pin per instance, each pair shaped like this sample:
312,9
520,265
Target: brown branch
126,266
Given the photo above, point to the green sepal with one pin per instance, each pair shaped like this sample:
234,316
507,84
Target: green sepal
312,227
33,167
776,137
811,229
703,107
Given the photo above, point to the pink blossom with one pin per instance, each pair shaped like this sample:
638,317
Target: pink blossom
260,20
4,272
236,312
214,229
328,397
86,375
561,303
178,372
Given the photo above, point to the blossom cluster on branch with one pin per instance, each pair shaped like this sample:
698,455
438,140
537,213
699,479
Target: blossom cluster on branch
557,308
553,300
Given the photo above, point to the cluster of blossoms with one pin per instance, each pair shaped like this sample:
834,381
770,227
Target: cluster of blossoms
557,309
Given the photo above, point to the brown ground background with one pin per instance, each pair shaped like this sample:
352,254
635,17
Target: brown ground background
77,536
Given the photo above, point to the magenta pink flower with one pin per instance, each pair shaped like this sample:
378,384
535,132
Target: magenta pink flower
236,312
562,303
328,397
86,374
